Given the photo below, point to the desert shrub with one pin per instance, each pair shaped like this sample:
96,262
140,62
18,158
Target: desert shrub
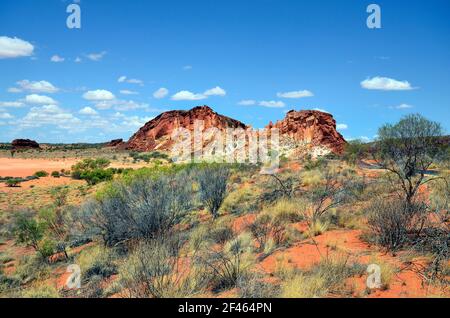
41,291
213,181
7,282
253,285
41,174
96,261
142,210
156,270
241,201
31,268
324,278
15,182
55,174
93,171
221,234
394,222
355,151
285,210
225,267
311,164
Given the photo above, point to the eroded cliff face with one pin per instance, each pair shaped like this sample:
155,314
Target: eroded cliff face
311,128
300,132
157,133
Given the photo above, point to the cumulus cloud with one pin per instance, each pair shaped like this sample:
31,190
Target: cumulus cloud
247,102
96,56
216,91
99,95
295,94
37,87
48,115
342,126
57,59
187,67
161,93
11,104
78,59
14,47
386,84
39,99
272,104
88,111
187,95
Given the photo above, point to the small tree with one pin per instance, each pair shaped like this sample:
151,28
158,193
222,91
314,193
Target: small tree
408,149
213,187
28,232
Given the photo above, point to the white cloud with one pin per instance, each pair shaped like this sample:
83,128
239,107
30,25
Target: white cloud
99,95
247,102
14,90
321,110
39,99
78,59
14,47
216,91
96,56
6,116
37,87
187,67
187,95
127,92
342,126
295,94
57,59
11,104
161,93
122,105
124,79
386,84
88,111
272,104
49,115
402,106
135,121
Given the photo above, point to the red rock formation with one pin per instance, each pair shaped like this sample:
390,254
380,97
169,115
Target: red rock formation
155,135
312,127
114,143
24,144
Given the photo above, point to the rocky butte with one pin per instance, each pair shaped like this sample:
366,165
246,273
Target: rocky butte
313,129
303,131
19,144
155,135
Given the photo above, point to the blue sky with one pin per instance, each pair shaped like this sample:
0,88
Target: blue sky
252,60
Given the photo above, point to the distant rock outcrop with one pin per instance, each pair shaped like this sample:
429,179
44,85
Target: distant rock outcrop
156,134
19,144
312,128
115,143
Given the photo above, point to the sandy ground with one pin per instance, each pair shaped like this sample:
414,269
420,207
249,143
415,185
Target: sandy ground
17,167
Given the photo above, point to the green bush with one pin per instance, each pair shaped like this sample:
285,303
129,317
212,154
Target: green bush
13,182
41,174
56,174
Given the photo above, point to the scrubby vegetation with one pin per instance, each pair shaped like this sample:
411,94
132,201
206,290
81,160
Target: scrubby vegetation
201,230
